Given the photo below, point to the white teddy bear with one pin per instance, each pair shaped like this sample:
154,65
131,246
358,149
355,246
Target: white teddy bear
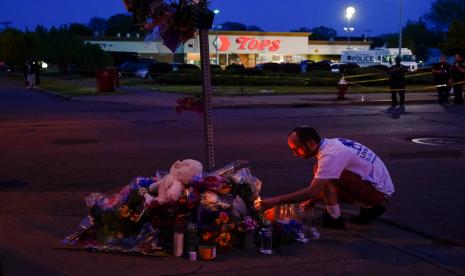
171,186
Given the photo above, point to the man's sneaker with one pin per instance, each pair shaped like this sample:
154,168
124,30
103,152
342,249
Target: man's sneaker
368,214
329,222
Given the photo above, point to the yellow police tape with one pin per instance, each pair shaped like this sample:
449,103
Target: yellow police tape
351,83
423,88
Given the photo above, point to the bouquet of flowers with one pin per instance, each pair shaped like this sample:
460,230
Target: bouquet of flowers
172,20
221,204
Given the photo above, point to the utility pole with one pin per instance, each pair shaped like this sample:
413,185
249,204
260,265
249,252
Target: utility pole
400,29
204,21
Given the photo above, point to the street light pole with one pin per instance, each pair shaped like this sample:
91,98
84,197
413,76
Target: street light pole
400,29
216,38
350,11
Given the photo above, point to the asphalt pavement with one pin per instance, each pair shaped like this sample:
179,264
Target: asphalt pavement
32,223
266,100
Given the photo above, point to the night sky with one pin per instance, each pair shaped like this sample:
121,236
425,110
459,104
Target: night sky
372,17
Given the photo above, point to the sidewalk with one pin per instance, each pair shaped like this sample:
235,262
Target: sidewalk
153,98
37,222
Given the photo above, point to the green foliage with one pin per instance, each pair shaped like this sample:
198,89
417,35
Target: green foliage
121,23
98,25
418,37
318,33
63,48
444,12
322,33
78,29
455,42
91,58
233,26
366,76
12,46
60,46
254,28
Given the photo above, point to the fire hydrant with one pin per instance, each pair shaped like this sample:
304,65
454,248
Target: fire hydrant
342,86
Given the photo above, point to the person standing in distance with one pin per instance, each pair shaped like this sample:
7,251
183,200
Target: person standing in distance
397,83
440,72
457,78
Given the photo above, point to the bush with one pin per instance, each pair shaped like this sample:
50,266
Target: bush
379,67
215,67
91,58
180,76
291,68
235,67
186,66
321,66
271,66
255,77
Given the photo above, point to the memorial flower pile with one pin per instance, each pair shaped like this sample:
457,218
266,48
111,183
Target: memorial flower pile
220,203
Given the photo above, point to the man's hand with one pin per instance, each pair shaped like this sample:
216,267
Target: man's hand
269,203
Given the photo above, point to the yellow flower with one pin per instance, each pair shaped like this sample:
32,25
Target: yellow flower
124,211
207,236
224,239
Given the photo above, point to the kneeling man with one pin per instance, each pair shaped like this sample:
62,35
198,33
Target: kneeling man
346,172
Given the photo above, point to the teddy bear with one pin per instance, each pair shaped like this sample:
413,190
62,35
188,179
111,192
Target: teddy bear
171,186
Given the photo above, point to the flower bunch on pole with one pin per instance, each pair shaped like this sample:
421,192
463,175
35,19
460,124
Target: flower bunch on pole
174,21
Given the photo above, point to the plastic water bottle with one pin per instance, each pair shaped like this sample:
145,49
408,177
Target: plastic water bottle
190,238
314,233
266,239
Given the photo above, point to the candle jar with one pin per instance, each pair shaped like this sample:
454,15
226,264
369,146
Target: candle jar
207,252
266,239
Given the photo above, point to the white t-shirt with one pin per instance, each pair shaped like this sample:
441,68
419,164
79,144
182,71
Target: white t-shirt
339,154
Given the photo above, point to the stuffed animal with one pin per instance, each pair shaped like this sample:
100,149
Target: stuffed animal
171,186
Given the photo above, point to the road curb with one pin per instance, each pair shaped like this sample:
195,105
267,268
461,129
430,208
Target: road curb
319,103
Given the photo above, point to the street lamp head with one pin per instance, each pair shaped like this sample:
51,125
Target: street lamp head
216,11
350,11
349,29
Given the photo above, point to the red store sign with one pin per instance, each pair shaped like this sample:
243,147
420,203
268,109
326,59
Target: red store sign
248,43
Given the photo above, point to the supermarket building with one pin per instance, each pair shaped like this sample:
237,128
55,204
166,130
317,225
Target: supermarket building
228,47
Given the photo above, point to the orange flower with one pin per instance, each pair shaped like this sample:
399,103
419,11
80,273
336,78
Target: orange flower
224,217
134,217
225,189
124,211
224,239
207,236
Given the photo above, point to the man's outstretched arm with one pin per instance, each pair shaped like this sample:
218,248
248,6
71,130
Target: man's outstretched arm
302,195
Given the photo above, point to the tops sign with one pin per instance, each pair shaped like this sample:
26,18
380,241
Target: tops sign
243,43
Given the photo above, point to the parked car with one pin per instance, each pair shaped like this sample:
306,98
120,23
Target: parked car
304,63
131,67
187,66
340,67
160,68
143,73
337,67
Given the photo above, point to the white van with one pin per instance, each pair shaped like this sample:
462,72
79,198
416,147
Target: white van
380,56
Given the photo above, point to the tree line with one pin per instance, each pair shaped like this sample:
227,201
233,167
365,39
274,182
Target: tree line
442,27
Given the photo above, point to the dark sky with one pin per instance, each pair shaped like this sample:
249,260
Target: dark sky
372,16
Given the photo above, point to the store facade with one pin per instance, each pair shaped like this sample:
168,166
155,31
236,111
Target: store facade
234,47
